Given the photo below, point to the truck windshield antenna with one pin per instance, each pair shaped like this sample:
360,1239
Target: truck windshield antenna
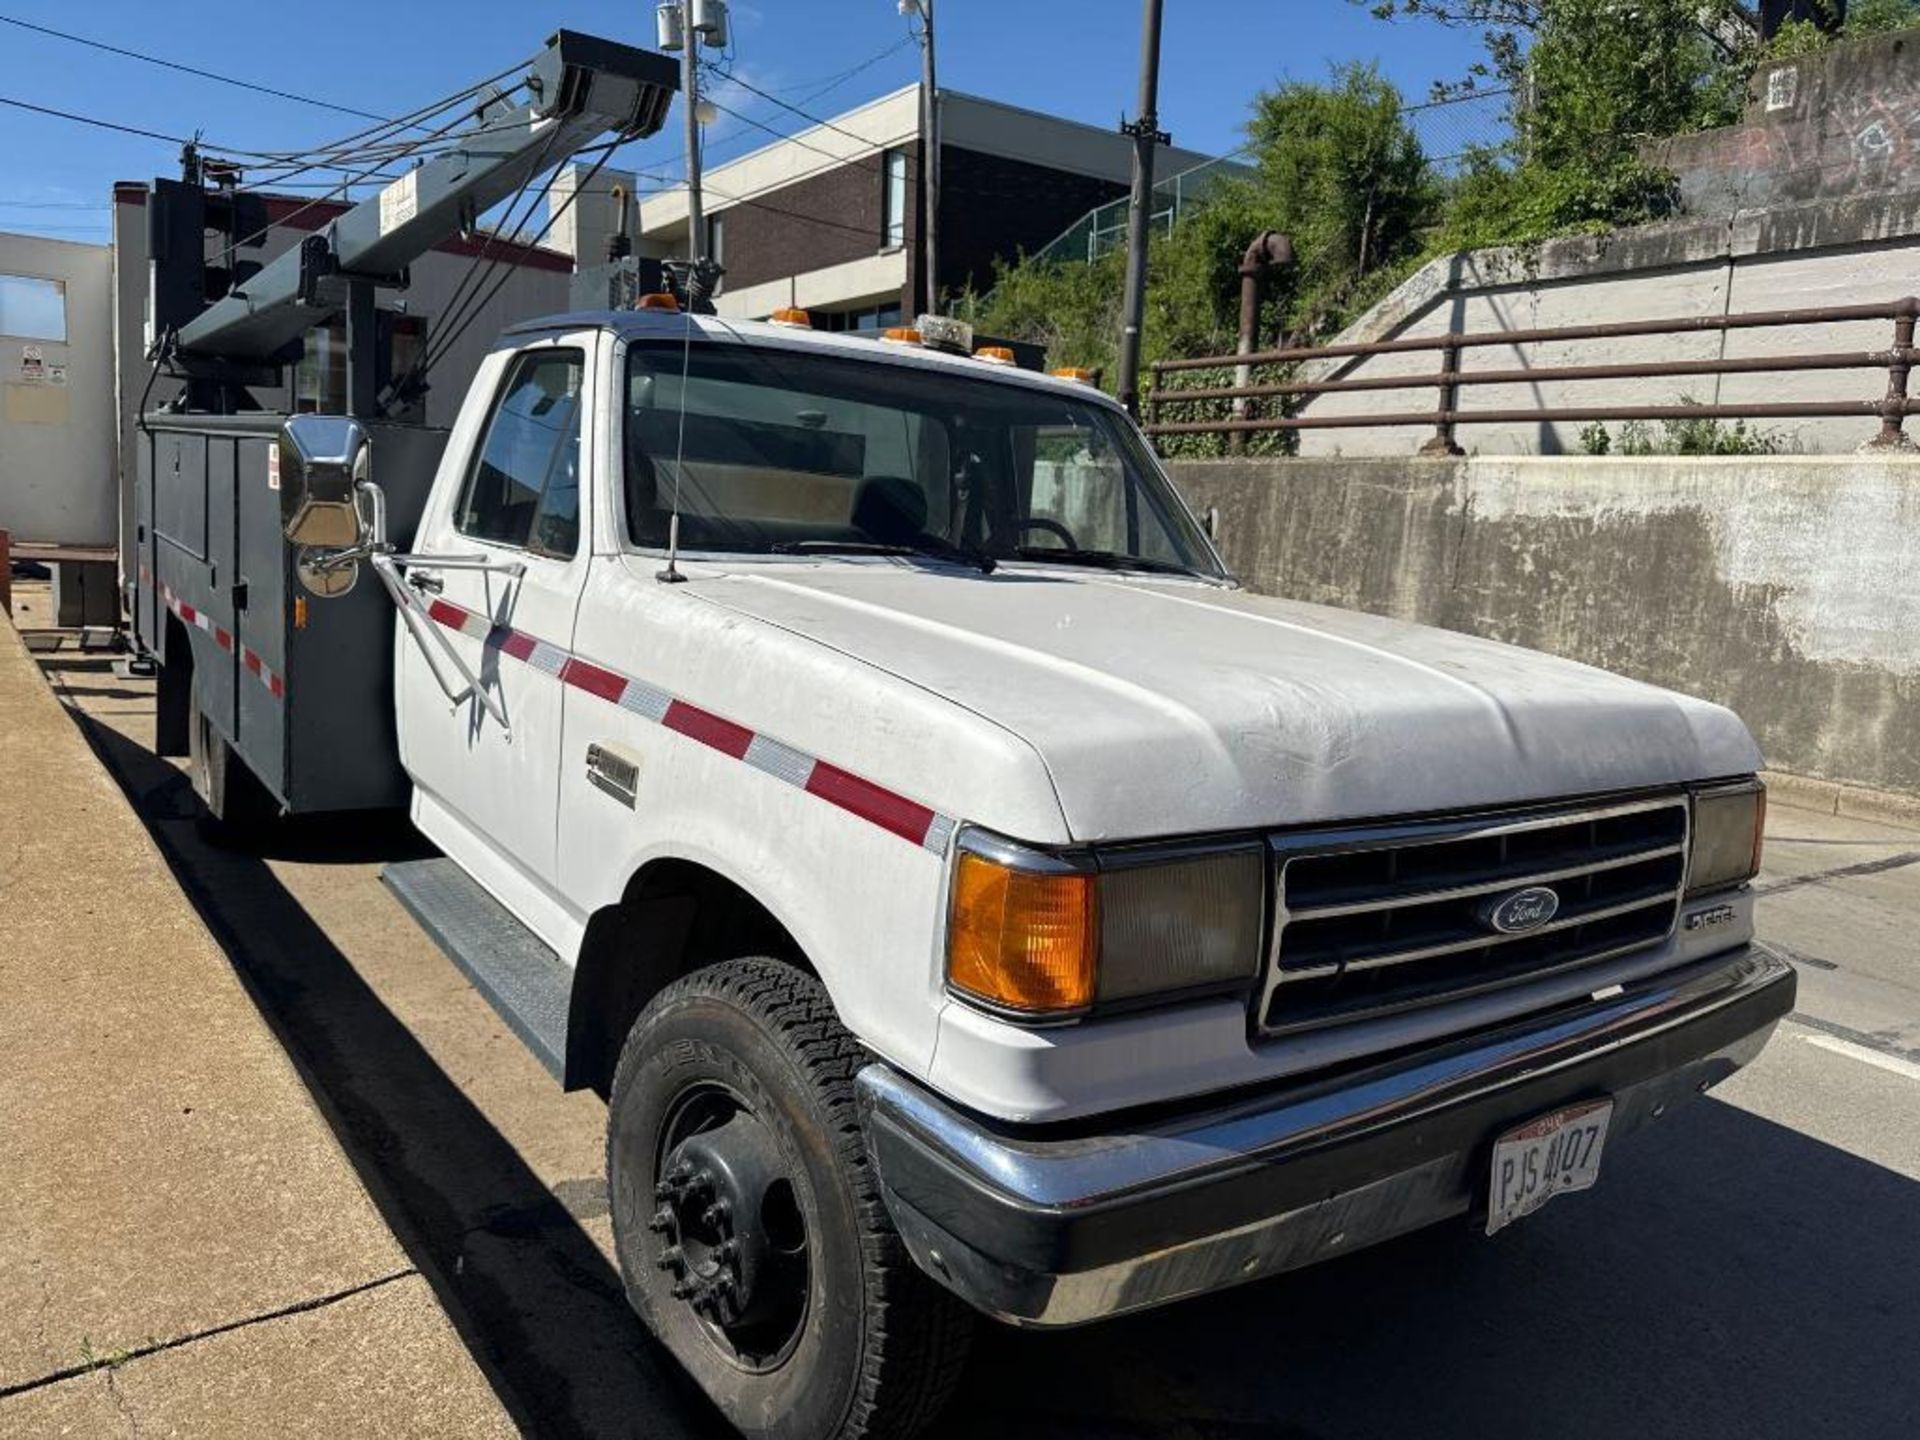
671,575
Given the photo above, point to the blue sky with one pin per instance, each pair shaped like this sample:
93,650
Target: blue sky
1073,57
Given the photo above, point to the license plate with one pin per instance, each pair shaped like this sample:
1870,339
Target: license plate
1545,1157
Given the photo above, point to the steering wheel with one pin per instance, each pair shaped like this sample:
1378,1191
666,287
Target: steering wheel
1054,527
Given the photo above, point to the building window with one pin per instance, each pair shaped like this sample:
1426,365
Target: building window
893,200
32,308
878,317
320,376
717,239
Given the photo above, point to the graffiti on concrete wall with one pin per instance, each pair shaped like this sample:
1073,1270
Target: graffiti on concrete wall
1822,128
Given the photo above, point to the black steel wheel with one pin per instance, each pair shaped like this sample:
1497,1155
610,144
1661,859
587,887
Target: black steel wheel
752,1236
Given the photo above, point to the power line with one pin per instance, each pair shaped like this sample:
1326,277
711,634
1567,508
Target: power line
837,81
758,204
187,69
794,109
104,124
795,139
832,82
146,134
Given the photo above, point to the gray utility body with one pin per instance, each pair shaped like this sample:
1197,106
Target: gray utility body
301,691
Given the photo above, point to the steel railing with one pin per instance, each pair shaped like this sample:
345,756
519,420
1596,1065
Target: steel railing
1892,408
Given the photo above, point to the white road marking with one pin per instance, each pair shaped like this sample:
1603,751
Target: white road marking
1866,1056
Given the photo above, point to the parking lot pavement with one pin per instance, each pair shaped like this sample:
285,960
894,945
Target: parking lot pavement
1746,1268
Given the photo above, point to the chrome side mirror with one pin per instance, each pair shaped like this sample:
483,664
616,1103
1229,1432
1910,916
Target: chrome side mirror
326,574
322,460
1212,521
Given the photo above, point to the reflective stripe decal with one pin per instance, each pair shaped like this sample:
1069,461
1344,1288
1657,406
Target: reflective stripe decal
251,660
867,800
594,680
709,729
860,797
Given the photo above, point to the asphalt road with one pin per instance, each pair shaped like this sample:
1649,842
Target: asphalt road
1749,1267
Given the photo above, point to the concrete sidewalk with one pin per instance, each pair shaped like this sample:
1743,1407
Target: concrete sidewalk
184,1247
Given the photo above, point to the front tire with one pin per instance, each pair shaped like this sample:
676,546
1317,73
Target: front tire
752,1236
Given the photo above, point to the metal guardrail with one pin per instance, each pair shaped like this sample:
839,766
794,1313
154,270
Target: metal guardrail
1450,378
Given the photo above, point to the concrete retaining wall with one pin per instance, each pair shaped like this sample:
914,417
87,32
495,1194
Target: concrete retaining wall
1841,122
1851,252
1786,587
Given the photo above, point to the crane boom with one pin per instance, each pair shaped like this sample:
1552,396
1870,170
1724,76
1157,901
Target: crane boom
582,87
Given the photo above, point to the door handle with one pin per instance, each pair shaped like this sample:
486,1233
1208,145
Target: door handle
426,584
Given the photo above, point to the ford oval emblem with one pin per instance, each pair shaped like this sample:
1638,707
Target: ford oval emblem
1522,910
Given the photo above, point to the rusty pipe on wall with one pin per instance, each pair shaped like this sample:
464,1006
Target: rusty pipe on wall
1271,250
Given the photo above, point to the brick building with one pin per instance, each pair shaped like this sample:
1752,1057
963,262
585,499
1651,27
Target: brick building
830,219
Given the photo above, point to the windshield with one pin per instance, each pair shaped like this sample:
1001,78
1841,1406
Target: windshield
784,451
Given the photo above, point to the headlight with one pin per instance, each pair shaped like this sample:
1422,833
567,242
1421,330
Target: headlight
1050,936
1727,825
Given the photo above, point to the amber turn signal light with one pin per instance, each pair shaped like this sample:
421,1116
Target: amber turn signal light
1021,939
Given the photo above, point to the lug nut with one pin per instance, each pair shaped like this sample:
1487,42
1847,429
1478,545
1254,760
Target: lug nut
670,1258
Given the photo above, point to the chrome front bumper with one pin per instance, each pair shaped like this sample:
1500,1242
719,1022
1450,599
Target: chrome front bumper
1058,1226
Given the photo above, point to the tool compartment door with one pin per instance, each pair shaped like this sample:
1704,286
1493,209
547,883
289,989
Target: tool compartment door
258,595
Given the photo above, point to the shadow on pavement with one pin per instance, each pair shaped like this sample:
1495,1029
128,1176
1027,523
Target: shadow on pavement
1729,1277
535,1300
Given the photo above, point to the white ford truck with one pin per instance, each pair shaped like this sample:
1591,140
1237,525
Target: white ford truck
855,762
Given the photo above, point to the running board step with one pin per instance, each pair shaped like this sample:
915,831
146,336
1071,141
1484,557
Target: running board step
521,978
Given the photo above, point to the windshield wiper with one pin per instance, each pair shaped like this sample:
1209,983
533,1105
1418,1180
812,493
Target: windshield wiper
938,549
1103,559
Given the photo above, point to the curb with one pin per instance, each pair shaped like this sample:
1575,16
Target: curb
1852,802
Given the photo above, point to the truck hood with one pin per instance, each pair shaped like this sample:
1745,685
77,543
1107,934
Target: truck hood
1172,707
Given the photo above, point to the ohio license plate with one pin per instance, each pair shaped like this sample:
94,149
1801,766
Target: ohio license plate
1545,1157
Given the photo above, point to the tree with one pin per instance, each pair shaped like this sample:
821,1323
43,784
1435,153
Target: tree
1337,167
1334,165
1593,81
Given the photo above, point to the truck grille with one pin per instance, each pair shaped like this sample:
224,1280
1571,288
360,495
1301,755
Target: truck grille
1374,921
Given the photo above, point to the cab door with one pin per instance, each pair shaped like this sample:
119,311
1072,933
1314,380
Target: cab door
486,775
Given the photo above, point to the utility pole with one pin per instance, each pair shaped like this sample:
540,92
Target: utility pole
690,94
682,25
1146,133
930,143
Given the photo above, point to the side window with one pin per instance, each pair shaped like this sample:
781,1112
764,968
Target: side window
524,488
1080,486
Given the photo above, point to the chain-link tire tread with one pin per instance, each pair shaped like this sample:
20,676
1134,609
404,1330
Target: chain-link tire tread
916,1334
